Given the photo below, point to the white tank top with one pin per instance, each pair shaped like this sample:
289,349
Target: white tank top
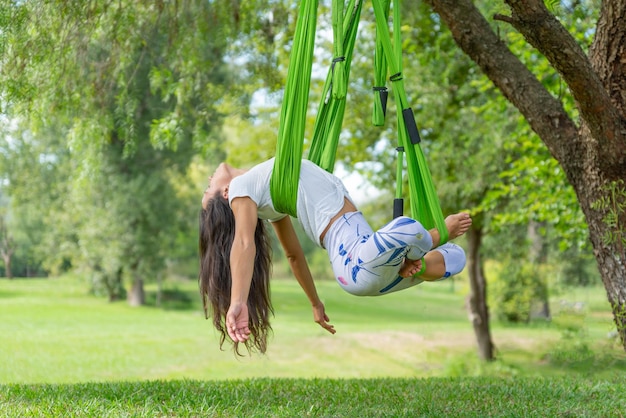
320,195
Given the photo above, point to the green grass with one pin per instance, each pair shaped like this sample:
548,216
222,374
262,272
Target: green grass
463,397
65,353
51,331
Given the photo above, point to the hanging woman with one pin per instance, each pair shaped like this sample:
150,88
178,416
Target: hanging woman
235,255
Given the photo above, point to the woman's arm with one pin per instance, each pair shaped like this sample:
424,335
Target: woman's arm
242,254
293,250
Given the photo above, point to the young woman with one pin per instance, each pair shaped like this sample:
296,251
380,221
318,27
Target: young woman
235,256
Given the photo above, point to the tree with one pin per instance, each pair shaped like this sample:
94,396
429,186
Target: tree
7,247
592,149
33,175
135,90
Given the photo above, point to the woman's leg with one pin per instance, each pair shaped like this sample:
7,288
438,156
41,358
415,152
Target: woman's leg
457,225
370,266
443,262
401,237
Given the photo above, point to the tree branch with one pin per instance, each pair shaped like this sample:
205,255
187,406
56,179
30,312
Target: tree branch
544,113
544,32
503,18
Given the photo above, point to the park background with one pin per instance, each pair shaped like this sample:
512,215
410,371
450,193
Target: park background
115,114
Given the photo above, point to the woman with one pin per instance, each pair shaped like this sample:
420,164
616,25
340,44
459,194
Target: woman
235,251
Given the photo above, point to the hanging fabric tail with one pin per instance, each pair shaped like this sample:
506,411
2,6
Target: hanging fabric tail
337,68
332,106
380,76
286,172
425,205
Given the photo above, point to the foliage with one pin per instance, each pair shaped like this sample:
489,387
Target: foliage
533,187
515,290
531,184
117,99
578,268
482,154
34,174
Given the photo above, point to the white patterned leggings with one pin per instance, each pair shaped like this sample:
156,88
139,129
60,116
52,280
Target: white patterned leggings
366,263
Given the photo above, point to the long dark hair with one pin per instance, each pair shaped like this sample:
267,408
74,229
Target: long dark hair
217,231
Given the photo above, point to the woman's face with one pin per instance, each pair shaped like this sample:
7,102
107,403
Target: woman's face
219,181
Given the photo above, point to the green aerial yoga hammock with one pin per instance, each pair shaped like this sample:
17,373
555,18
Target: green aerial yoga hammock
286,173
332,105
424,202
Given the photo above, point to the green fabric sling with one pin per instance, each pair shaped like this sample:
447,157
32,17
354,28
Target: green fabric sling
425,205
333,103
380,75
286,172
424,202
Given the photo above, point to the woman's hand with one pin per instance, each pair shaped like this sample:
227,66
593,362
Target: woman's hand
321,318
237,322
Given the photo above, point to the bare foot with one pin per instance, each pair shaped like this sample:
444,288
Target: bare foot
458,224
410,267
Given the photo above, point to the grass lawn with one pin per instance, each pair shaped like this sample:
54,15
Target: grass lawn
433,397
66,353
52,332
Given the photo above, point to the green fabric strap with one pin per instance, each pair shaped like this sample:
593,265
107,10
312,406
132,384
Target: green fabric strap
338,71
331,109
286,172
380,75
425,205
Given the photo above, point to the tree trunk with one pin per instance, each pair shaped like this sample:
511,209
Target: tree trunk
477,299
159,295
538,254
593,153
7,266
7,248
611,263
136,296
